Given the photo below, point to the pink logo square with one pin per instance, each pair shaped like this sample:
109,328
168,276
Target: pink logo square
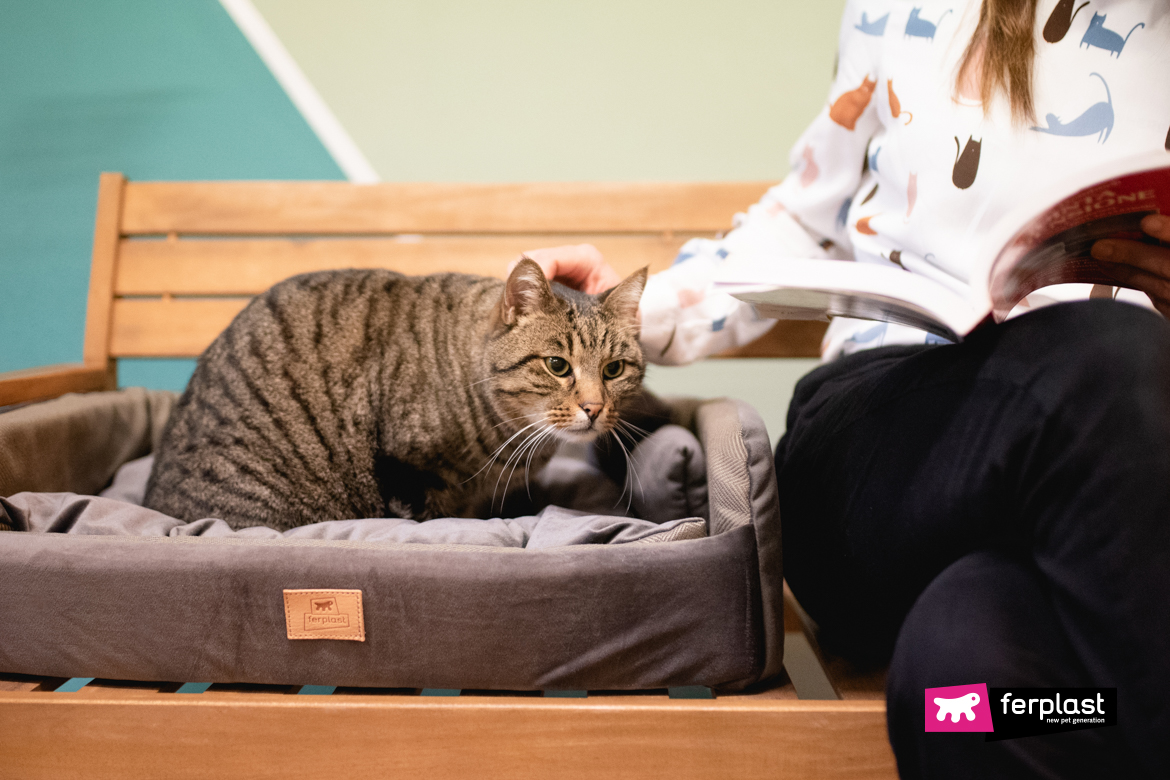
958,708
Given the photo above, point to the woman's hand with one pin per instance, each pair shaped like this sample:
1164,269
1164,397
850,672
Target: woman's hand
579,266
1141,266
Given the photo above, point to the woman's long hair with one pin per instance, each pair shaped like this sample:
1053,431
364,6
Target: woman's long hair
1000,55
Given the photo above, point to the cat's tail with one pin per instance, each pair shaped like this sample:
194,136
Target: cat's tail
1139,24
944,16
907,113
1108,96
1074,15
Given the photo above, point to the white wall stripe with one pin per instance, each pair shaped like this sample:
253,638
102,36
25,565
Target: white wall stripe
302,93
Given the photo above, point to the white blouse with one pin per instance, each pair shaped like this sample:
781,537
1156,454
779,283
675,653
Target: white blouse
902,169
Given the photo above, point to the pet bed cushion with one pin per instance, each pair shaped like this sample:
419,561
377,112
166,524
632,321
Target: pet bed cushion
670,475
69,513
206,603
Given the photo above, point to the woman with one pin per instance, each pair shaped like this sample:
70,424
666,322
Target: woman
994,511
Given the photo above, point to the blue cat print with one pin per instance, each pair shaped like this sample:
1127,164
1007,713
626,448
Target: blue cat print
876,28
917,27
843,212
1101,37
1097,119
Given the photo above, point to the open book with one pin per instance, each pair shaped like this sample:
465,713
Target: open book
1044,242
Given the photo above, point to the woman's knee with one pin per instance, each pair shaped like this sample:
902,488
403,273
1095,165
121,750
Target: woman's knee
988,619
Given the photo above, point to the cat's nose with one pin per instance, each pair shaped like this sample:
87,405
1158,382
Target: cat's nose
592,410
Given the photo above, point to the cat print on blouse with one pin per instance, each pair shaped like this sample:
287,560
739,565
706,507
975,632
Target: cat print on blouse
811,171
966,162
849,107
1099,36
876,28
917,27
896,105
1060,20
843,212
1096,120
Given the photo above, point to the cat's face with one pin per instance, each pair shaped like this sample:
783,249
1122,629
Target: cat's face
562,362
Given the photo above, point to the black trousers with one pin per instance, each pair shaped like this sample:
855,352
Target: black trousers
995,511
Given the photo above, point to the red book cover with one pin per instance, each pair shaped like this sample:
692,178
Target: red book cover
1054,247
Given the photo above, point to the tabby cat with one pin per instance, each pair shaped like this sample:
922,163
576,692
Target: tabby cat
348,394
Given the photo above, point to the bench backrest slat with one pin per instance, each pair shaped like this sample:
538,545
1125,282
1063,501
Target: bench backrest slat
338,208
248,267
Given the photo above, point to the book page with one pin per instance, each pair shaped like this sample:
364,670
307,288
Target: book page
819,289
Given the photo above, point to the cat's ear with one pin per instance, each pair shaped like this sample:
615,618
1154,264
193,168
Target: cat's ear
622,301
525,292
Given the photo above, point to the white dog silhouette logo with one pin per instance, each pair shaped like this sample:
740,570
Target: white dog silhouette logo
964,705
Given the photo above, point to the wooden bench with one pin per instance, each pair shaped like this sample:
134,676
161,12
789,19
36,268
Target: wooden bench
172,264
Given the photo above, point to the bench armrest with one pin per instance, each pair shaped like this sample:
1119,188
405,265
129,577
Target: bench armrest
41,384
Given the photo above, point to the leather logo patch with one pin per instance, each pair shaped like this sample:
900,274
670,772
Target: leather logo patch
324,614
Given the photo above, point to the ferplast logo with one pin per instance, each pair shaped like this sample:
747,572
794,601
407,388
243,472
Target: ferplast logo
324,613
958,708
1008,713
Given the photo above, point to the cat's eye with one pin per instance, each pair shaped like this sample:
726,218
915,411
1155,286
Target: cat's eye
557,366
613,370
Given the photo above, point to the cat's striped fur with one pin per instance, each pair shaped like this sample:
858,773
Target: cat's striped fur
348,394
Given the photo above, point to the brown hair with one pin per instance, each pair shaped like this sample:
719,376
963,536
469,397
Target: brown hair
1003,48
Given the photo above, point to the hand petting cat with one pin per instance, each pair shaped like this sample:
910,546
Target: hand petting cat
1141,266
579,266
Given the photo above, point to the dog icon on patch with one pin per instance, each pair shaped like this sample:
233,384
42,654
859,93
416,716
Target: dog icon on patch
957,701
324,606
960,705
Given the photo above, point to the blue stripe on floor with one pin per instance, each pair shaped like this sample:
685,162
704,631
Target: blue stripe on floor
193,687
74,684
316,690
440,691
566,694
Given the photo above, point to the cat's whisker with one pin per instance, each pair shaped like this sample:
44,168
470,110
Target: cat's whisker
498,425
629,425
633,442
550,431
516,455
629,470
529,446
491,458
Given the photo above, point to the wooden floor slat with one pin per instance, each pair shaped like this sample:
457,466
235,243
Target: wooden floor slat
288,737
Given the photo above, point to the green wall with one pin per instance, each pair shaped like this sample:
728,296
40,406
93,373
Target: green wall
515,90
157,89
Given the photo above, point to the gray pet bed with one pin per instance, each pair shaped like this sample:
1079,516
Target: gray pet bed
576,596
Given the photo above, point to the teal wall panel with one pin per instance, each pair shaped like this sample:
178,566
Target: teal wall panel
156,89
